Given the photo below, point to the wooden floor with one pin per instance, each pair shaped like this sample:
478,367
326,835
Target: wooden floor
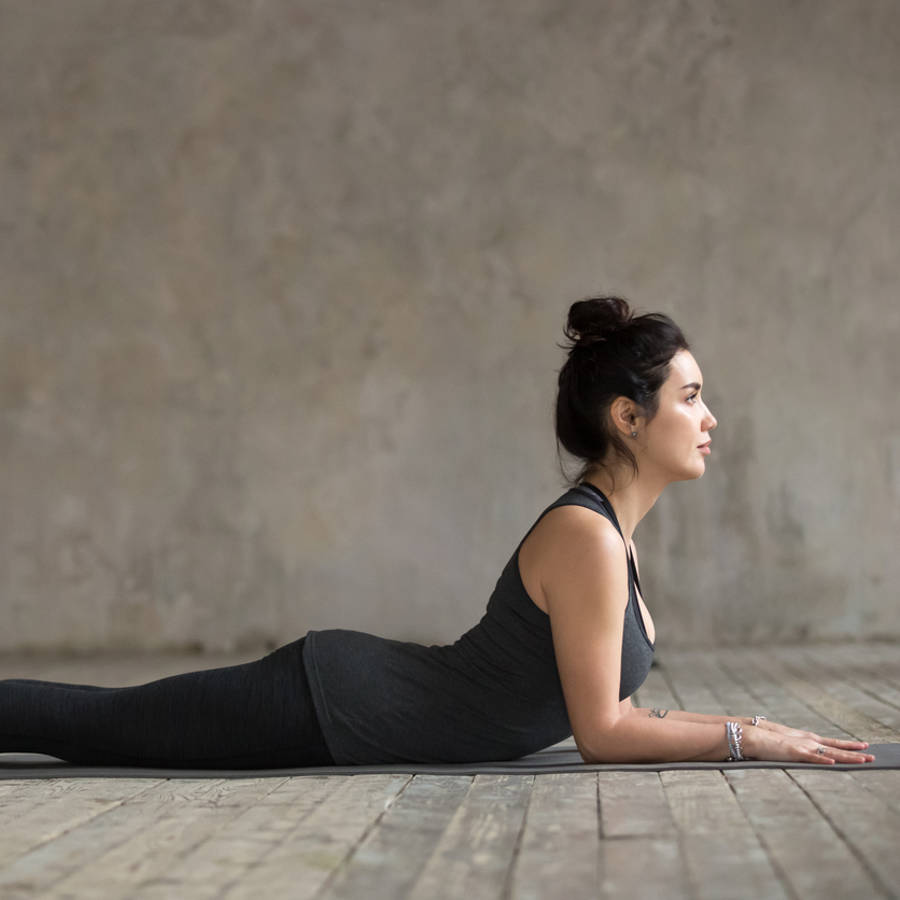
745,833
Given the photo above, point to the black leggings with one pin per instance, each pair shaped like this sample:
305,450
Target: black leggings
253,716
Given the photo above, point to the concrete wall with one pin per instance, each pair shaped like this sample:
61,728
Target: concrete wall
281,284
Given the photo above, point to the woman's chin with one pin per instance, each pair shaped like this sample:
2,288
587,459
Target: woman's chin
694,472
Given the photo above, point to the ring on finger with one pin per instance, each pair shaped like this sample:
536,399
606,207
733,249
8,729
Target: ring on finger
820,750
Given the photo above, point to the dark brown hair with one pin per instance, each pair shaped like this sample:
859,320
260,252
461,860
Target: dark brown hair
612,353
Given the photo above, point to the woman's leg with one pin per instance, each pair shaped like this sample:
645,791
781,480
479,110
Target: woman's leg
256,715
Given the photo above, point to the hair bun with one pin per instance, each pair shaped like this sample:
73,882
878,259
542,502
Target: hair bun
595,319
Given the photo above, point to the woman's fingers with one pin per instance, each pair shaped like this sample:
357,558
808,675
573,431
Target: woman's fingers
830,754
814,756
834,742
844,745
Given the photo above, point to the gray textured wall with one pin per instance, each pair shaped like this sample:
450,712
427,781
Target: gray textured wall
281,284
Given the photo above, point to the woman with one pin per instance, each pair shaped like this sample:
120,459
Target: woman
564,643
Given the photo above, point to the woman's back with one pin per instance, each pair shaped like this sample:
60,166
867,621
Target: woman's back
493,694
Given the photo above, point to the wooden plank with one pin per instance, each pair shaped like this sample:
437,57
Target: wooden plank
633,804
867,656
724,857
12,791
864,820
792,675
398,847
762,672
872,675
142,840
35,817
749,668
655,692
320,842
886,657
643,868
869,660
686,677
85,844
8,789
234,840
636,824
736,694
559,850
883,690
475,852
841,684
808,853
885,783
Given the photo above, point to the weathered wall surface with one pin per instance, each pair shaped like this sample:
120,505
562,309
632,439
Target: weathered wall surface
280,287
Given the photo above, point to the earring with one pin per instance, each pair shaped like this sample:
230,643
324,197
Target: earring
634,434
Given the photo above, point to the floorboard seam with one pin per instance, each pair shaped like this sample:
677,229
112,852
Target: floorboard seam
780,874
325,887
62,834
506,891
664,672
850,845
259,860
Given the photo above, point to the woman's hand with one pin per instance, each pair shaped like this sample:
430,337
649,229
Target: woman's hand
772,741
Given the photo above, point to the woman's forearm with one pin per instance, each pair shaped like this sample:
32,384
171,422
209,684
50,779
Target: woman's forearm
659,735
682,715
640,739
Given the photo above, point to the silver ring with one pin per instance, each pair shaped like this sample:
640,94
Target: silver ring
820,750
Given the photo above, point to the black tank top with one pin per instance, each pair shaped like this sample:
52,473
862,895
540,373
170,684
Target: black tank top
494,694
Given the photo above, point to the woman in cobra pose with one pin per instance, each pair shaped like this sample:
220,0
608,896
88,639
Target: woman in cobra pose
565,641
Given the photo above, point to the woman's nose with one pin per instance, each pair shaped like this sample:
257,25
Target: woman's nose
710,421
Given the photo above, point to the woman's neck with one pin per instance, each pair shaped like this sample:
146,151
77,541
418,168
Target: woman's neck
631,496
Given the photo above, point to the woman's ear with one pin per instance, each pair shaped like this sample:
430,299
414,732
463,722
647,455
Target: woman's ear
625,416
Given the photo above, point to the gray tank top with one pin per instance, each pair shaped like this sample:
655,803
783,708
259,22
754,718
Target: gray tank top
494,694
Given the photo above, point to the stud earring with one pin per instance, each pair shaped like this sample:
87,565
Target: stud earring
634,434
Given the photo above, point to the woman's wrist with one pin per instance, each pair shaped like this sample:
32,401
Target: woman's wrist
734,735
750,749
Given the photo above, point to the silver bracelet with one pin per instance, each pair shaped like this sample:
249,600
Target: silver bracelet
735,734
757,719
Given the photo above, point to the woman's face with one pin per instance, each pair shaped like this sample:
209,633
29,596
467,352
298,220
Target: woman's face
673,441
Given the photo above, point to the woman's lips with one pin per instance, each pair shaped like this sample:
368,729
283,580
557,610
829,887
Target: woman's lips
704,448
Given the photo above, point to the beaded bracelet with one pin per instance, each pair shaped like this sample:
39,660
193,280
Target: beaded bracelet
735,734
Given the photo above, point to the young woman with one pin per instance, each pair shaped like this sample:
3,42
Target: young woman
565,641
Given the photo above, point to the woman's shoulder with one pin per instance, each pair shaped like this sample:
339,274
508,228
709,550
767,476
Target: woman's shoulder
574,528
569,538
579,511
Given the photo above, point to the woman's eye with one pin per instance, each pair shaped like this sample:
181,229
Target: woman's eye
692,398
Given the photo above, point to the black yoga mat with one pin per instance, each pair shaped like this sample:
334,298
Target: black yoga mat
553,759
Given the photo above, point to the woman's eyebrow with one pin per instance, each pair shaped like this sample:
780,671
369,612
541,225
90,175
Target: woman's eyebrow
694,385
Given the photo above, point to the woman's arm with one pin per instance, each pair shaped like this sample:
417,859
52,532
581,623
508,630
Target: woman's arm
583,570
682,715
584,579
765,724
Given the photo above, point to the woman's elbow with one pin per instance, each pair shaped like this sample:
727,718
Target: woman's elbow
587,756
601,743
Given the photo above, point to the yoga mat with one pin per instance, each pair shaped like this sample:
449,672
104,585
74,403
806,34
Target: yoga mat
553,759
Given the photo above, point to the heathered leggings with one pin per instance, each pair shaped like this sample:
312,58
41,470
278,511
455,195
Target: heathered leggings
252,716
